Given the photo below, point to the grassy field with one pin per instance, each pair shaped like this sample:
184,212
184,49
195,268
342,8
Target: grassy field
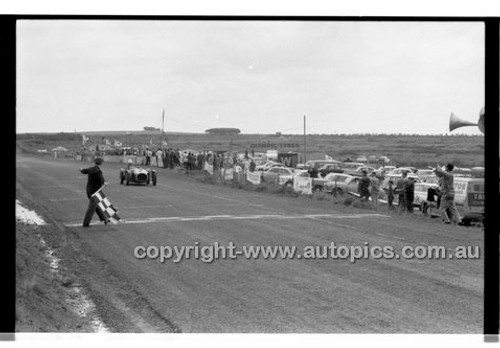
410,150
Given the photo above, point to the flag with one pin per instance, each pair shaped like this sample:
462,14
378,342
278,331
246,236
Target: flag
105,206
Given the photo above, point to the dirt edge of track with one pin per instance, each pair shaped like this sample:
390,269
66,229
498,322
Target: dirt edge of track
42,295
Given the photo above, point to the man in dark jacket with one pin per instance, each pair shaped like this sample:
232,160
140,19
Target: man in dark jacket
364,186
94,182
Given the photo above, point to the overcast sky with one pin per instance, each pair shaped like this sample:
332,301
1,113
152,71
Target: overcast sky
259,76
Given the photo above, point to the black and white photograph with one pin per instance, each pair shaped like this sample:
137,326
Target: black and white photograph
250,175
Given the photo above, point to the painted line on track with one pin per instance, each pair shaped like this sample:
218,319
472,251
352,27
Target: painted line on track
236,217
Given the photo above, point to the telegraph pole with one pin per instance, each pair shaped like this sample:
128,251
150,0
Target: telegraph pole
162,128
305,146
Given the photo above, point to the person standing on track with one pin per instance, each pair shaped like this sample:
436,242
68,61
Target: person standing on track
94,182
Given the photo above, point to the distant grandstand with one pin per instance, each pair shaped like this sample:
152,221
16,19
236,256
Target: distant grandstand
223,131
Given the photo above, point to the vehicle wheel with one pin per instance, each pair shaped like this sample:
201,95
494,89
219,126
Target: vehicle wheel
128,179
154,179
338,191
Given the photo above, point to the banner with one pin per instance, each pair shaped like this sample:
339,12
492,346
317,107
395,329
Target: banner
254,178
105,206
302,184
209,168
228,175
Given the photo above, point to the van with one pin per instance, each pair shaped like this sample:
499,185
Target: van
469,199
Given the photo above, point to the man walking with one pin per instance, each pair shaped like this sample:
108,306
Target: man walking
95,181
447,194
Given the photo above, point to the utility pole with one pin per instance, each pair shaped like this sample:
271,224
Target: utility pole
163,137
305,145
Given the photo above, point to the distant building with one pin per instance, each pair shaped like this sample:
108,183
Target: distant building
150,129
223,131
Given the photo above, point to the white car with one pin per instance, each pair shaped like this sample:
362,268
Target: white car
420,194
319,183
400,170
423,174
386,168
269,165
341,183
279,175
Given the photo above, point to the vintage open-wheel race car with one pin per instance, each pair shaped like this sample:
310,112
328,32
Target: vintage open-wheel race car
137,175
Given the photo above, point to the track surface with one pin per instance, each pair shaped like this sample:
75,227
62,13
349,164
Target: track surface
248,295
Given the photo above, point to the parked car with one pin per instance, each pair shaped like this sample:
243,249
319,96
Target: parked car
137,175
386,168
318,183
342,183
279,175
268,165
469,198
359,171
400,170
317,164
330,168
423,174
420,194
351,165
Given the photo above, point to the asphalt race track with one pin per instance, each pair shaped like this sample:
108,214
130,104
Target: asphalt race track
255,295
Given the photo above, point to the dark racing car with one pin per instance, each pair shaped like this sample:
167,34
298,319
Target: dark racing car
137,175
